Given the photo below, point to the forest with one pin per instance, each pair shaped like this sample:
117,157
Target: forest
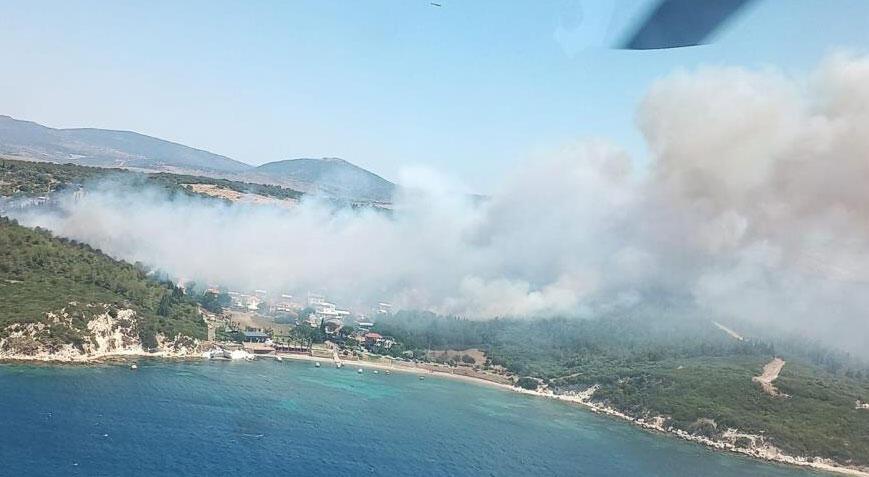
40,273
667,361
25,178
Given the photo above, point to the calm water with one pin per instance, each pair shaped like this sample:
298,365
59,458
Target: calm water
269,418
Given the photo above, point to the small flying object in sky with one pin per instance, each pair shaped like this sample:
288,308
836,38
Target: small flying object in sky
680,23
435,4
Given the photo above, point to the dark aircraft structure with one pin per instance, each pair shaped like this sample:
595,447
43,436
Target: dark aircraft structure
680,23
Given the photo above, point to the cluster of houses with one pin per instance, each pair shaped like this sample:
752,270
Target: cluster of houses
261,301
326,312
247,301
334,319
320,312
370,340
360,338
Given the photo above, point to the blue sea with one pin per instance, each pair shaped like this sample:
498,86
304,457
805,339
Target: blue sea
290,418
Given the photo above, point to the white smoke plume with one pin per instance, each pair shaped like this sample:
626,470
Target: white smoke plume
756,206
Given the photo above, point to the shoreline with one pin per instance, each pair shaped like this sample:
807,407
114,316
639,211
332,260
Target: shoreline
582,399
98,358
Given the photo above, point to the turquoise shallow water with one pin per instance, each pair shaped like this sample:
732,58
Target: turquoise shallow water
290,418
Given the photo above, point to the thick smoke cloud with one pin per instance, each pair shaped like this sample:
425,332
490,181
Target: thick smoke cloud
754,206
760,181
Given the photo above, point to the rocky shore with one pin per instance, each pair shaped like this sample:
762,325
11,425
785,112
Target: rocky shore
115,341
731,440
108,333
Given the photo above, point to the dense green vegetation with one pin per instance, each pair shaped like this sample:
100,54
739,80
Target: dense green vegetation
557,347
675,365
41,178
213,302
171,181
40,273
818,417
664,362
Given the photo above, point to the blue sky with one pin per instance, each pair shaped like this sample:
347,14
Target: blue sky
468,89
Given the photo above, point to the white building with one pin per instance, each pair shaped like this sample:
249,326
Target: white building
314,299
327,311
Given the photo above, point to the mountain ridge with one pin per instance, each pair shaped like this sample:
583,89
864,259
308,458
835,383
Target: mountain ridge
330,176
107,148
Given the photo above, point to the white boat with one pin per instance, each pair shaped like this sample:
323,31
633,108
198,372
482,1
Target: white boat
375,371
317,364
134,367
387,371
279,358
338,364
359,370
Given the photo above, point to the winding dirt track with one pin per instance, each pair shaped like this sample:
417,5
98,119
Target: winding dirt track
770,372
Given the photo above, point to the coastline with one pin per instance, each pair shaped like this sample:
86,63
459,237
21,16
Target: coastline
99,357
767,453
584,399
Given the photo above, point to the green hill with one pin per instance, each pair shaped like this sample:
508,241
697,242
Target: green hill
673,364
26,178
41,274
332,178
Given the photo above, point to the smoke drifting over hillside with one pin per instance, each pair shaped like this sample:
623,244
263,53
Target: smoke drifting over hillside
756,205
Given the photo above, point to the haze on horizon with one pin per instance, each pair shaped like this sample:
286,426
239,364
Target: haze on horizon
470,89
668,242
757,213
731,174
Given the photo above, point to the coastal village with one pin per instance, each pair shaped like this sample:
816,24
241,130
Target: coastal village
259,325
256,326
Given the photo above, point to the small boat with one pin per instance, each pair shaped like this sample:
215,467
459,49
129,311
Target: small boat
421,378
359,370
376,372
317,364
387,371
338,364
279,358
134,367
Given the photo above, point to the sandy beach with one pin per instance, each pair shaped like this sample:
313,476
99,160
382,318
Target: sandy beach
583,398
399,368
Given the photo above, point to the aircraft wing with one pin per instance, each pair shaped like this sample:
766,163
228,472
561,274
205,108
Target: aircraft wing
678,23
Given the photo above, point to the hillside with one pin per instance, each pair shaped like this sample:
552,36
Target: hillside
25,178
332,177
59,297
107,148
695,376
